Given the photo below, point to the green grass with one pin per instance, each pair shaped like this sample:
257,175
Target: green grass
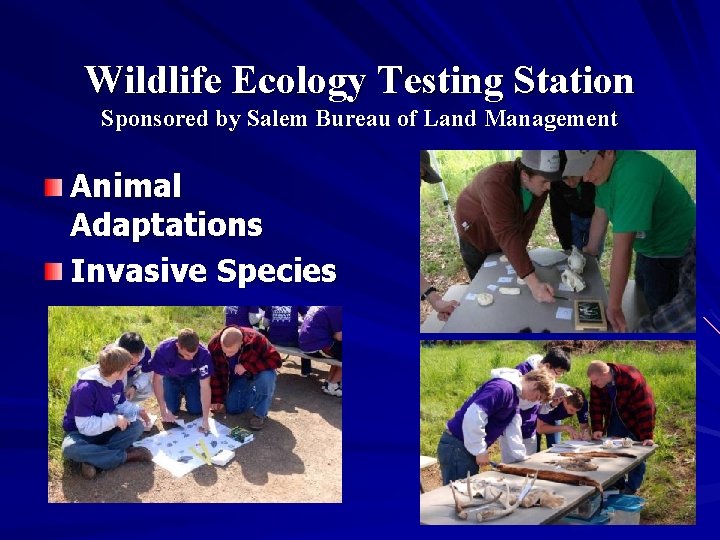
439,255
450,374
77,334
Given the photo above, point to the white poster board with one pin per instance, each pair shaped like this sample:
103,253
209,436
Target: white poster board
173,449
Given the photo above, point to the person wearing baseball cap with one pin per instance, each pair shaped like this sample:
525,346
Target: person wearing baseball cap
572,204
499,209
652,214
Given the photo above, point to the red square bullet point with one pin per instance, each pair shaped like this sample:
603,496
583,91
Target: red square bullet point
53,187
53,271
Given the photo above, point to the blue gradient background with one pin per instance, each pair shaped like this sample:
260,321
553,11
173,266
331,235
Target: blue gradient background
333,195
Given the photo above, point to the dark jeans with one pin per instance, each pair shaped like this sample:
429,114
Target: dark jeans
657,278
581,233
455,461
175,387
472,257
617,429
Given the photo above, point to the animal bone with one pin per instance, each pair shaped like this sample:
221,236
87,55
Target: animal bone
492,492
576,463
572,280
462,509
539,497
508,507
509,290
576,261
542,497
484,299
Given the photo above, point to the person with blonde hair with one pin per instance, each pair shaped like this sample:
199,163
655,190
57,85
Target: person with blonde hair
492,411
100,423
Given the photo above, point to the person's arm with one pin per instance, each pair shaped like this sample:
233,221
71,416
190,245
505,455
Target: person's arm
473,426
95,425
205,401
141,382
598,226
165,415
128,409
544,428
514,444
643,410
502,208
541,291
619,271
444,309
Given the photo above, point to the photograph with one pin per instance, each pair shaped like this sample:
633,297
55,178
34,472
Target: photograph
195,404
509,239
558,432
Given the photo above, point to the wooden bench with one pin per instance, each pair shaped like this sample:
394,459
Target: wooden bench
294,351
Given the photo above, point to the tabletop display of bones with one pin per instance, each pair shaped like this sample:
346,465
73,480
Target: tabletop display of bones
571,276
491,500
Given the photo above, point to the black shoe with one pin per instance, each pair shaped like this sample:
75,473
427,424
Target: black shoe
628,491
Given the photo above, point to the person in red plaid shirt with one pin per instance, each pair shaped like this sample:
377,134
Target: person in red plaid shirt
244,375
621,404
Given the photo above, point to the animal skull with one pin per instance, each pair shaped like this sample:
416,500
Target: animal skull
576,261
572,280
497,499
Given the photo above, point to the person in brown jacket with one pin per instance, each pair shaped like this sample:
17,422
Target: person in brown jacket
499,209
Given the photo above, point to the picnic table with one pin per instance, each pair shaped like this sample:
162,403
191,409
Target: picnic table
515,313
437,507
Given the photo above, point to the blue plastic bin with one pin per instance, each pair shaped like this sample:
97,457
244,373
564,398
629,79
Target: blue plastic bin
626,509
600,518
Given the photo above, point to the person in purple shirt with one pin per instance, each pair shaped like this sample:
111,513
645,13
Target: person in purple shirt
492,411
283,323
572,402
138,382
100,424
182,365
245,316
321,336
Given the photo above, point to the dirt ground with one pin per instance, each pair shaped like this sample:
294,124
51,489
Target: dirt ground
297,457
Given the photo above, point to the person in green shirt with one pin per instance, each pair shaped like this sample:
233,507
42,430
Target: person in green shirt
652,214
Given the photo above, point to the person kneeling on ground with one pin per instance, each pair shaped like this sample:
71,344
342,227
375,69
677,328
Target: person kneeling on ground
244,373
321,336
100,424
182,366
